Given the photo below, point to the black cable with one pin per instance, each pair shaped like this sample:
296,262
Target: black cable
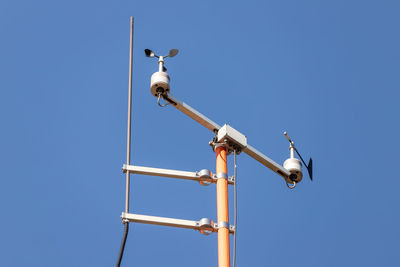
121,251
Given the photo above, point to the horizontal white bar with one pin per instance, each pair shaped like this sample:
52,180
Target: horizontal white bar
192,113
161,221
194,176
172,222
266,161
161,172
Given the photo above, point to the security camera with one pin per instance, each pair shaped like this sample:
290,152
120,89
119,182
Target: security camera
159,84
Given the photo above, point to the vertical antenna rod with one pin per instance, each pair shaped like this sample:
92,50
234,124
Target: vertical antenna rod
128,145
128,141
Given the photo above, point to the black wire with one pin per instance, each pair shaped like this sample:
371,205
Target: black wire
121,251
300,156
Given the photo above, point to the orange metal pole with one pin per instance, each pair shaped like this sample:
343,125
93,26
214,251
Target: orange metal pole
222,207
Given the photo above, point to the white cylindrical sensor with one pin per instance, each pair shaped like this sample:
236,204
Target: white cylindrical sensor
293,165
159,83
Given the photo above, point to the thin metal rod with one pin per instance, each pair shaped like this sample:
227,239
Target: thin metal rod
128,146
128,142
291,149
234,208
160,63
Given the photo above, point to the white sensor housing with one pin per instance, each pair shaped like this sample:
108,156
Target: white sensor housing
159,83
293,165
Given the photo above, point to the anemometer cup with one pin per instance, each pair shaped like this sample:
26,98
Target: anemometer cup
159,83
293,165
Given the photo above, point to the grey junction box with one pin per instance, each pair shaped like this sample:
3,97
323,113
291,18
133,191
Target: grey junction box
233,136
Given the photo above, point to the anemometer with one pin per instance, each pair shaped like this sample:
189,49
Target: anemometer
226,140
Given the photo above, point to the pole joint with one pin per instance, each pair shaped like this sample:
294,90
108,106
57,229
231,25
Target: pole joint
229,145
222,175
215,144
223,224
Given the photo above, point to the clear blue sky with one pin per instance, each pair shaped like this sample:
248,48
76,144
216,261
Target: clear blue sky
325,71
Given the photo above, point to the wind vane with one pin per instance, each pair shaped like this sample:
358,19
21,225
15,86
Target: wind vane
226,140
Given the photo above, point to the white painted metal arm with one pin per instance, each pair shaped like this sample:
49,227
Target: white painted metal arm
192,113
205,225
161,172
234,137
160,221
204,177
266,161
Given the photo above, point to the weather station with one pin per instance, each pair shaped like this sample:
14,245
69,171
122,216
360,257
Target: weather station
225,141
